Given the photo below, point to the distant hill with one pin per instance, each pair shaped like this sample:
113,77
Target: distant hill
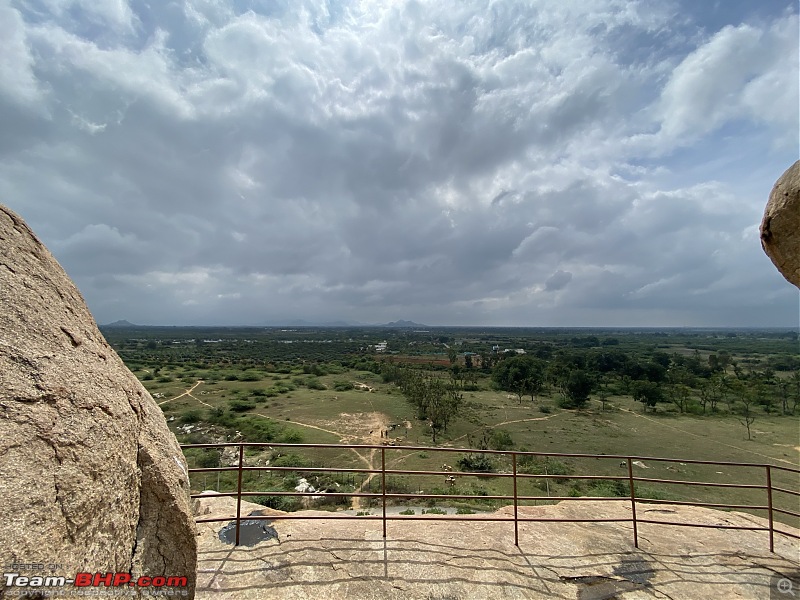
121,323
402,323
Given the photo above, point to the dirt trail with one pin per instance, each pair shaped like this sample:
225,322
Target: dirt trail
371,424
474,431
188,392
708,439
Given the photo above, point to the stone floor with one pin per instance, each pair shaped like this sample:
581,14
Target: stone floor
435,560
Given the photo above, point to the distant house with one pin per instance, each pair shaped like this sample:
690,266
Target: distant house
381,347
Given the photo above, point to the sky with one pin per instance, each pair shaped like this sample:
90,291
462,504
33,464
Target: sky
547,163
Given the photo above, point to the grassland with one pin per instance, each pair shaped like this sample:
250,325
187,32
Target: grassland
319,409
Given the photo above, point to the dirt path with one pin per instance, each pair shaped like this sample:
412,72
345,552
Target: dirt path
753,452
461,437
188,392
374,424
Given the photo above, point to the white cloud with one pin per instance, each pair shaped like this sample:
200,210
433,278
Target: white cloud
555,162
17,81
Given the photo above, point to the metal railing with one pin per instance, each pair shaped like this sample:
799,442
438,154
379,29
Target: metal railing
384,496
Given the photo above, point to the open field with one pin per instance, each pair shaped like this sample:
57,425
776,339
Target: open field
349,401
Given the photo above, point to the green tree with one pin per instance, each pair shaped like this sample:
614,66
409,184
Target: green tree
577,388
648,393
522,375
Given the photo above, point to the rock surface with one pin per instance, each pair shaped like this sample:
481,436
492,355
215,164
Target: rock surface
91,478
477,559
780,227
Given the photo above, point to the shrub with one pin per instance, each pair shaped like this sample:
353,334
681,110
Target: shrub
291,437
191,416
313,383
534,465
434,511
476,463
284,503
465,511
342,386
608,489
241,405
500,440
408,511
208,459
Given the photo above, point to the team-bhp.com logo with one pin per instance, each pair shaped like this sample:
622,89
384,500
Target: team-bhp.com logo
95,580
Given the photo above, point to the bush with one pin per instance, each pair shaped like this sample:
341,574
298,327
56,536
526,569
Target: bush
284,503
608,489
465,511
534,465
434,511
208,459
500,440
241,405
476,463
313,383
342,386
291,437
408,511
191,416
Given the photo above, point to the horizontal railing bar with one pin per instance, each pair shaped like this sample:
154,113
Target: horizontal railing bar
500,452
579,498
312,469
446,496
703,525
420,517
705,504
550,476
786,533
786,512
790,469
785,491
749,486
282,493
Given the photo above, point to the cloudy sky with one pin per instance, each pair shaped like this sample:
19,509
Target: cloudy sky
548,162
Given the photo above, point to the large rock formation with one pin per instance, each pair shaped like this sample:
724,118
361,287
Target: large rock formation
780,227
91,478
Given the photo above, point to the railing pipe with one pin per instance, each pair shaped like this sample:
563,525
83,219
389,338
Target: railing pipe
769,505
383,487
516,501
239,494
633,504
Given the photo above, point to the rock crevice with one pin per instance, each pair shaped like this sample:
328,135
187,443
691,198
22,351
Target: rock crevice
91,478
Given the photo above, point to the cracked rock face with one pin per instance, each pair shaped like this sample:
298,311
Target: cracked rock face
91,478
780,227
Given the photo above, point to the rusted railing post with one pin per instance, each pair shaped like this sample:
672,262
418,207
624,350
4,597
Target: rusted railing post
239,493
633,503
769,509
516,503
383,487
